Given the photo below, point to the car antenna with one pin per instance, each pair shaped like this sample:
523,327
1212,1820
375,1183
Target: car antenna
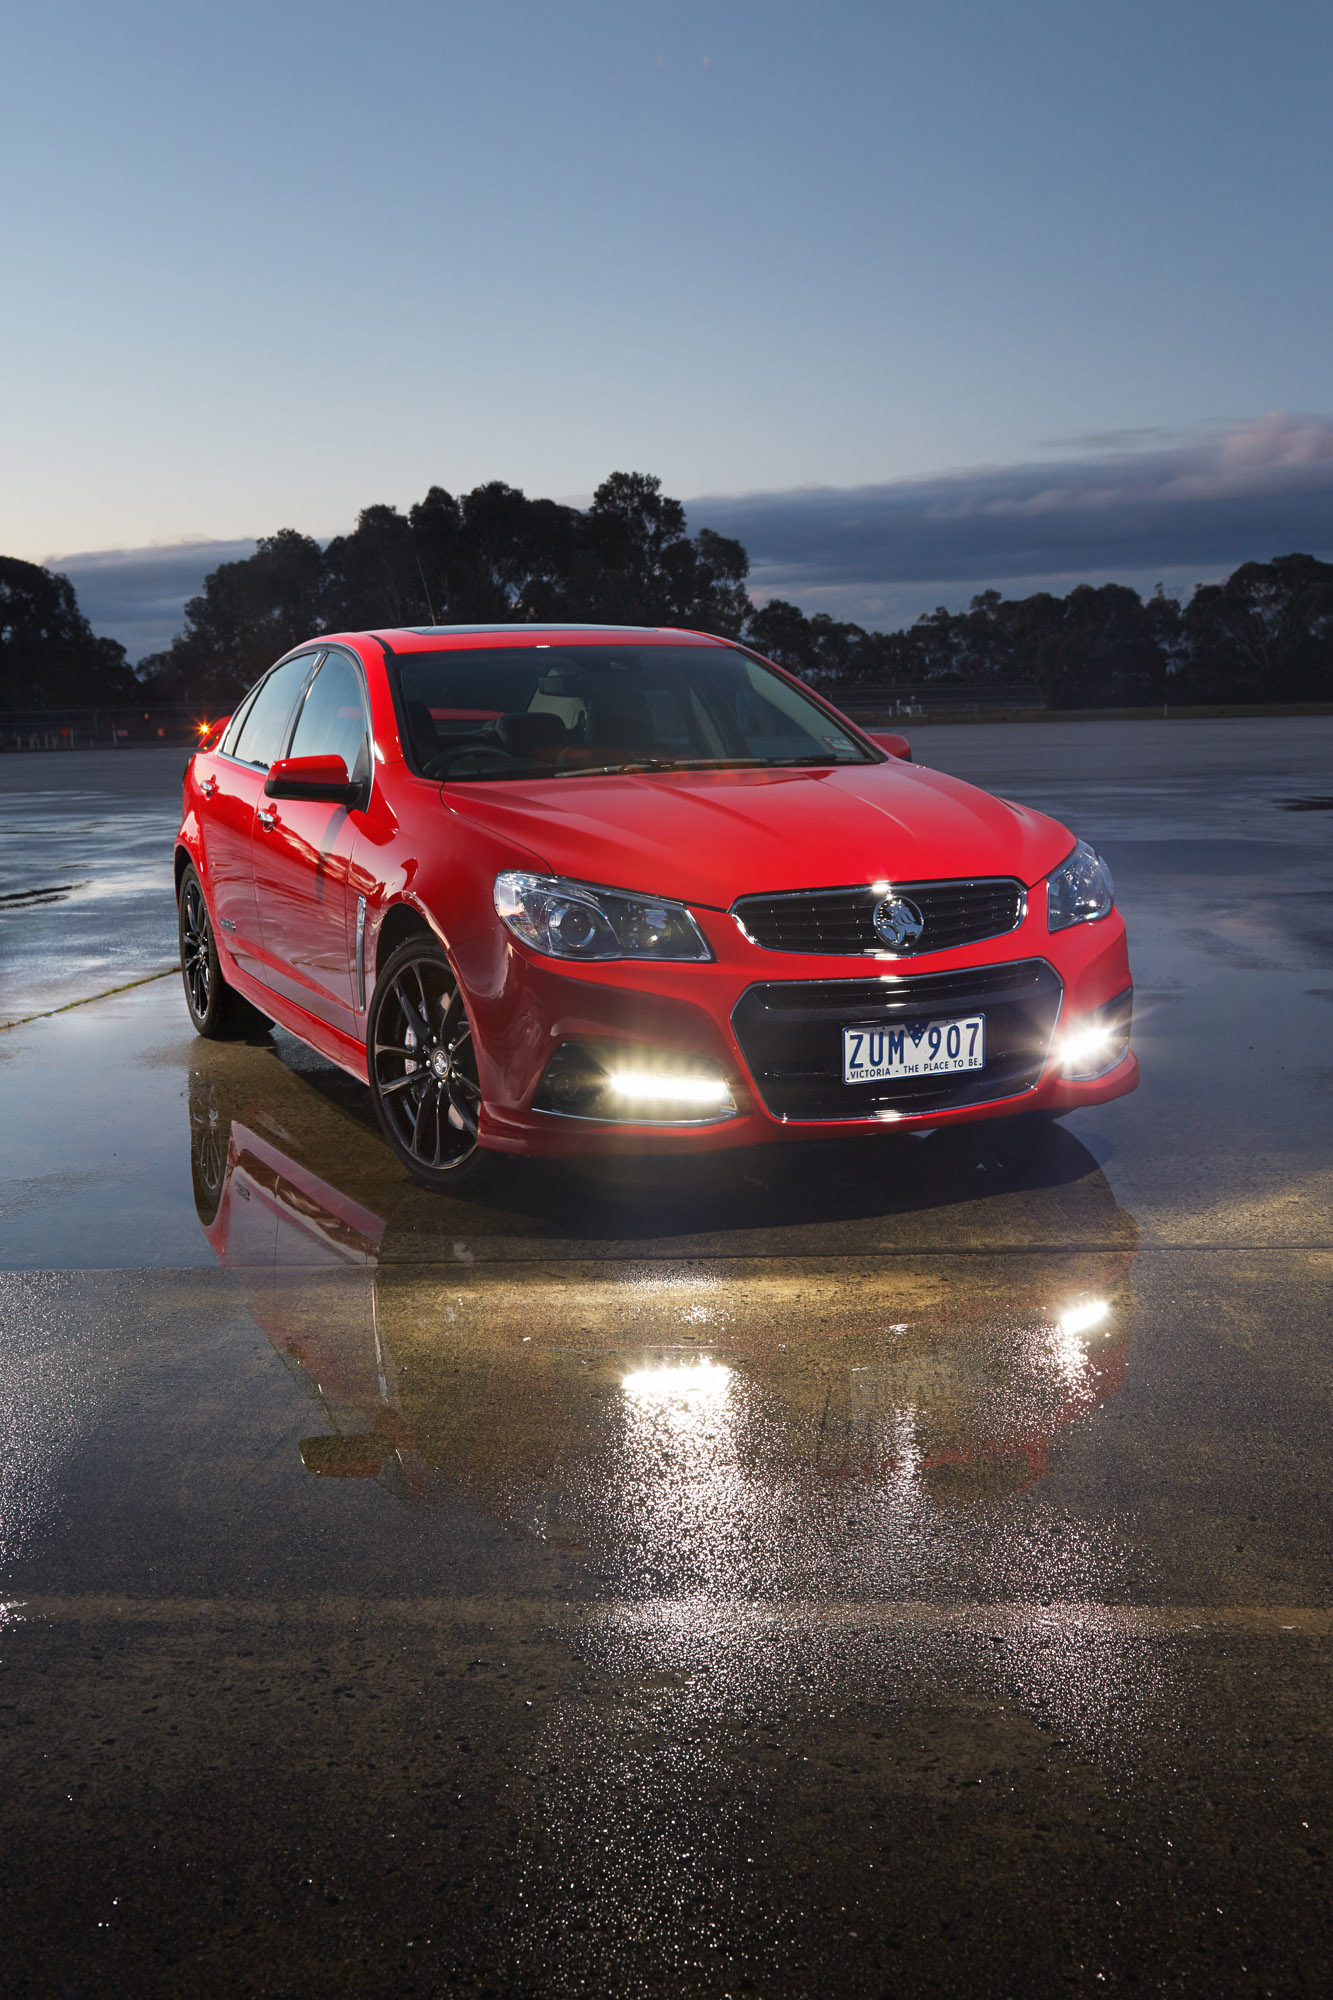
426,587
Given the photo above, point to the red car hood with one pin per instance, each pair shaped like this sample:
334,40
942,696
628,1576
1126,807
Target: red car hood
708,837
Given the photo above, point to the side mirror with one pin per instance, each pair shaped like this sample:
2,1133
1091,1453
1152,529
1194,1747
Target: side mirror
897,746
321,778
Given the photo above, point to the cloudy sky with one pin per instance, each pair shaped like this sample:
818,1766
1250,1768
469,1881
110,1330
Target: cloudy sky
917,297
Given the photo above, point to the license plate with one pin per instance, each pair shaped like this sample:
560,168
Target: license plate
918,1048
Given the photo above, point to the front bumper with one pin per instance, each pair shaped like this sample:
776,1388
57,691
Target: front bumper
1034,986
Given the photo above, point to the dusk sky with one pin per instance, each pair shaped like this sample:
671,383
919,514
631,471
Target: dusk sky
1045,263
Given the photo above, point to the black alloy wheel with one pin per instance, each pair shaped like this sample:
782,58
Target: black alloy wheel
422,1063
210,1139
216,1009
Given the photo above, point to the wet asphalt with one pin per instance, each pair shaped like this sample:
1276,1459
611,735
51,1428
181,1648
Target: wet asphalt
885,1568
85,872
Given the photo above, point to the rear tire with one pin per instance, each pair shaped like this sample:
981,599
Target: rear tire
422,1063
217,1010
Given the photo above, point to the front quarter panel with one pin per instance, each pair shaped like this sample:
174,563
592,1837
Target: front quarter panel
413,850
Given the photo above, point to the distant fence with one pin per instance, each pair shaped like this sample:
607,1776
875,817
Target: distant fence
866,701
177,722
98,728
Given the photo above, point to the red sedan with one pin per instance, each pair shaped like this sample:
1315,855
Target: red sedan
553,889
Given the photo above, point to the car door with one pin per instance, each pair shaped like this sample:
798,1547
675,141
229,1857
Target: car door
227,830
302,850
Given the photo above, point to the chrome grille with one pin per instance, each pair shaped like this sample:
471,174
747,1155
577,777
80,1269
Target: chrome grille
841,921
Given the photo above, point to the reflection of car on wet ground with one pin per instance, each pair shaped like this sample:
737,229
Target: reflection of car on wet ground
543,1384
554,890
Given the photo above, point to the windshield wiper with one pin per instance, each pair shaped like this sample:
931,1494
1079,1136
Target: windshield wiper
788,761
661,764
699,764
601,770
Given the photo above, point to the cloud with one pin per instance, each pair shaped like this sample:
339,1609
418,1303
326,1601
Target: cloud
138,595
1140,507
1130,506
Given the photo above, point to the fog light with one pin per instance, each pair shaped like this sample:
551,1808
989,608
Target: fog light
628,1086
659,1089
1099,1041
1084,1050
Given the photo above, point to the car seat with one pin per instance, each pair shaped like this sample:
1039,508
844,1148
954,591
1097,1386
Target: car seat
532,733
619,721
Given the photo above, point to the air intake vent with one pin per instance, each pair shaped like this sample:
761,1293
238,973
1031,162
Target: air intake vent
790,1033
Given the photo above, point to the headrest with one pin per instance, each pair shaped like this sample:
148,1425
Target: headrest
527,735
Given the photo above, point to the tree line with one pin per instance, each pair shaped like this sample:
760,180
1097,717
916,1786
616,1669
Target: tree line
1264,635
50,657
494,555
484,558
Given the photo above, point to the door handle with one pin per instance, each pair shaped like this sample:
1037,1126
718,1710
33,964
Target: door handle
267,819
208,786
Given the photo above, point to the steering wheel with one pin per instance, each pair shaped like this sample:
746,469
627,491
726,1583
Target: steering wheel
491,755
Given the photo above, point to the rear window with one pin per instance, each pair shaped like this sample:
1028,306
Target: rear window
523,711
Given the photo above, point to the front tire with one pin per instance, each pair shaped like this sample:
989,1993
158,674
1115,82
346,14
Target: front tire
422,1063
210,1147
216,1009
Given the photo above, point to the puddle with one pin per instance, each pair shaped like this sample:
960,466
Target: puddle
661,1418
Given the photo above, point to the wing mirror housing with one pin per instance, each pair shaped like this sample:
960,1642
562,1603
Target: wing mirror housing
322,778
888,739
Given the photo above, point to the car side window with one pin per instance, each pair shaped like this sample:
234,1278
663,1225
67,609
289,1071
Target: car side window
237,723
332,722
264,728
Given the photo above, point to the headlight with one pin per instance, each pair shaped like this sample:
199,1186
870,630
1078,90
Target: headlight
1079,890
570,920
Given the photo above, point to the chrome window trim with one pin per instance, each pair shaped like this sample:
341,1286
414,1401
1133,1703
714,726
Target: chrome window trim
358,668
243,763
237,721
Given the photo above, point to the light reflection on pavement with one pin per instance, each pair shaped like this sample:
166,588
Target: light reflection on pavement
665,1415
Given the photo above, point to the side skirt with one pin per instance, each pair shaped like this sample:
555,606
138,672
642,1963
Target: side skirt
344,1050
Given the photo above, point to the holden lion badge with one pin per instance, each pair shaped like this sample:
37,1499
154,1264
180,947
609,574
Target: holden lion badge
898,921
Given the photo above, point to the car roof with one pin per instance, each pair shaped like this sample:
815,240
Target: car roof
436,638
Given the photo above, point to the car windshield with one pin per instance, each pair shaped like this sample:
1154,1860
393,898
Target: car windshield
570,711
